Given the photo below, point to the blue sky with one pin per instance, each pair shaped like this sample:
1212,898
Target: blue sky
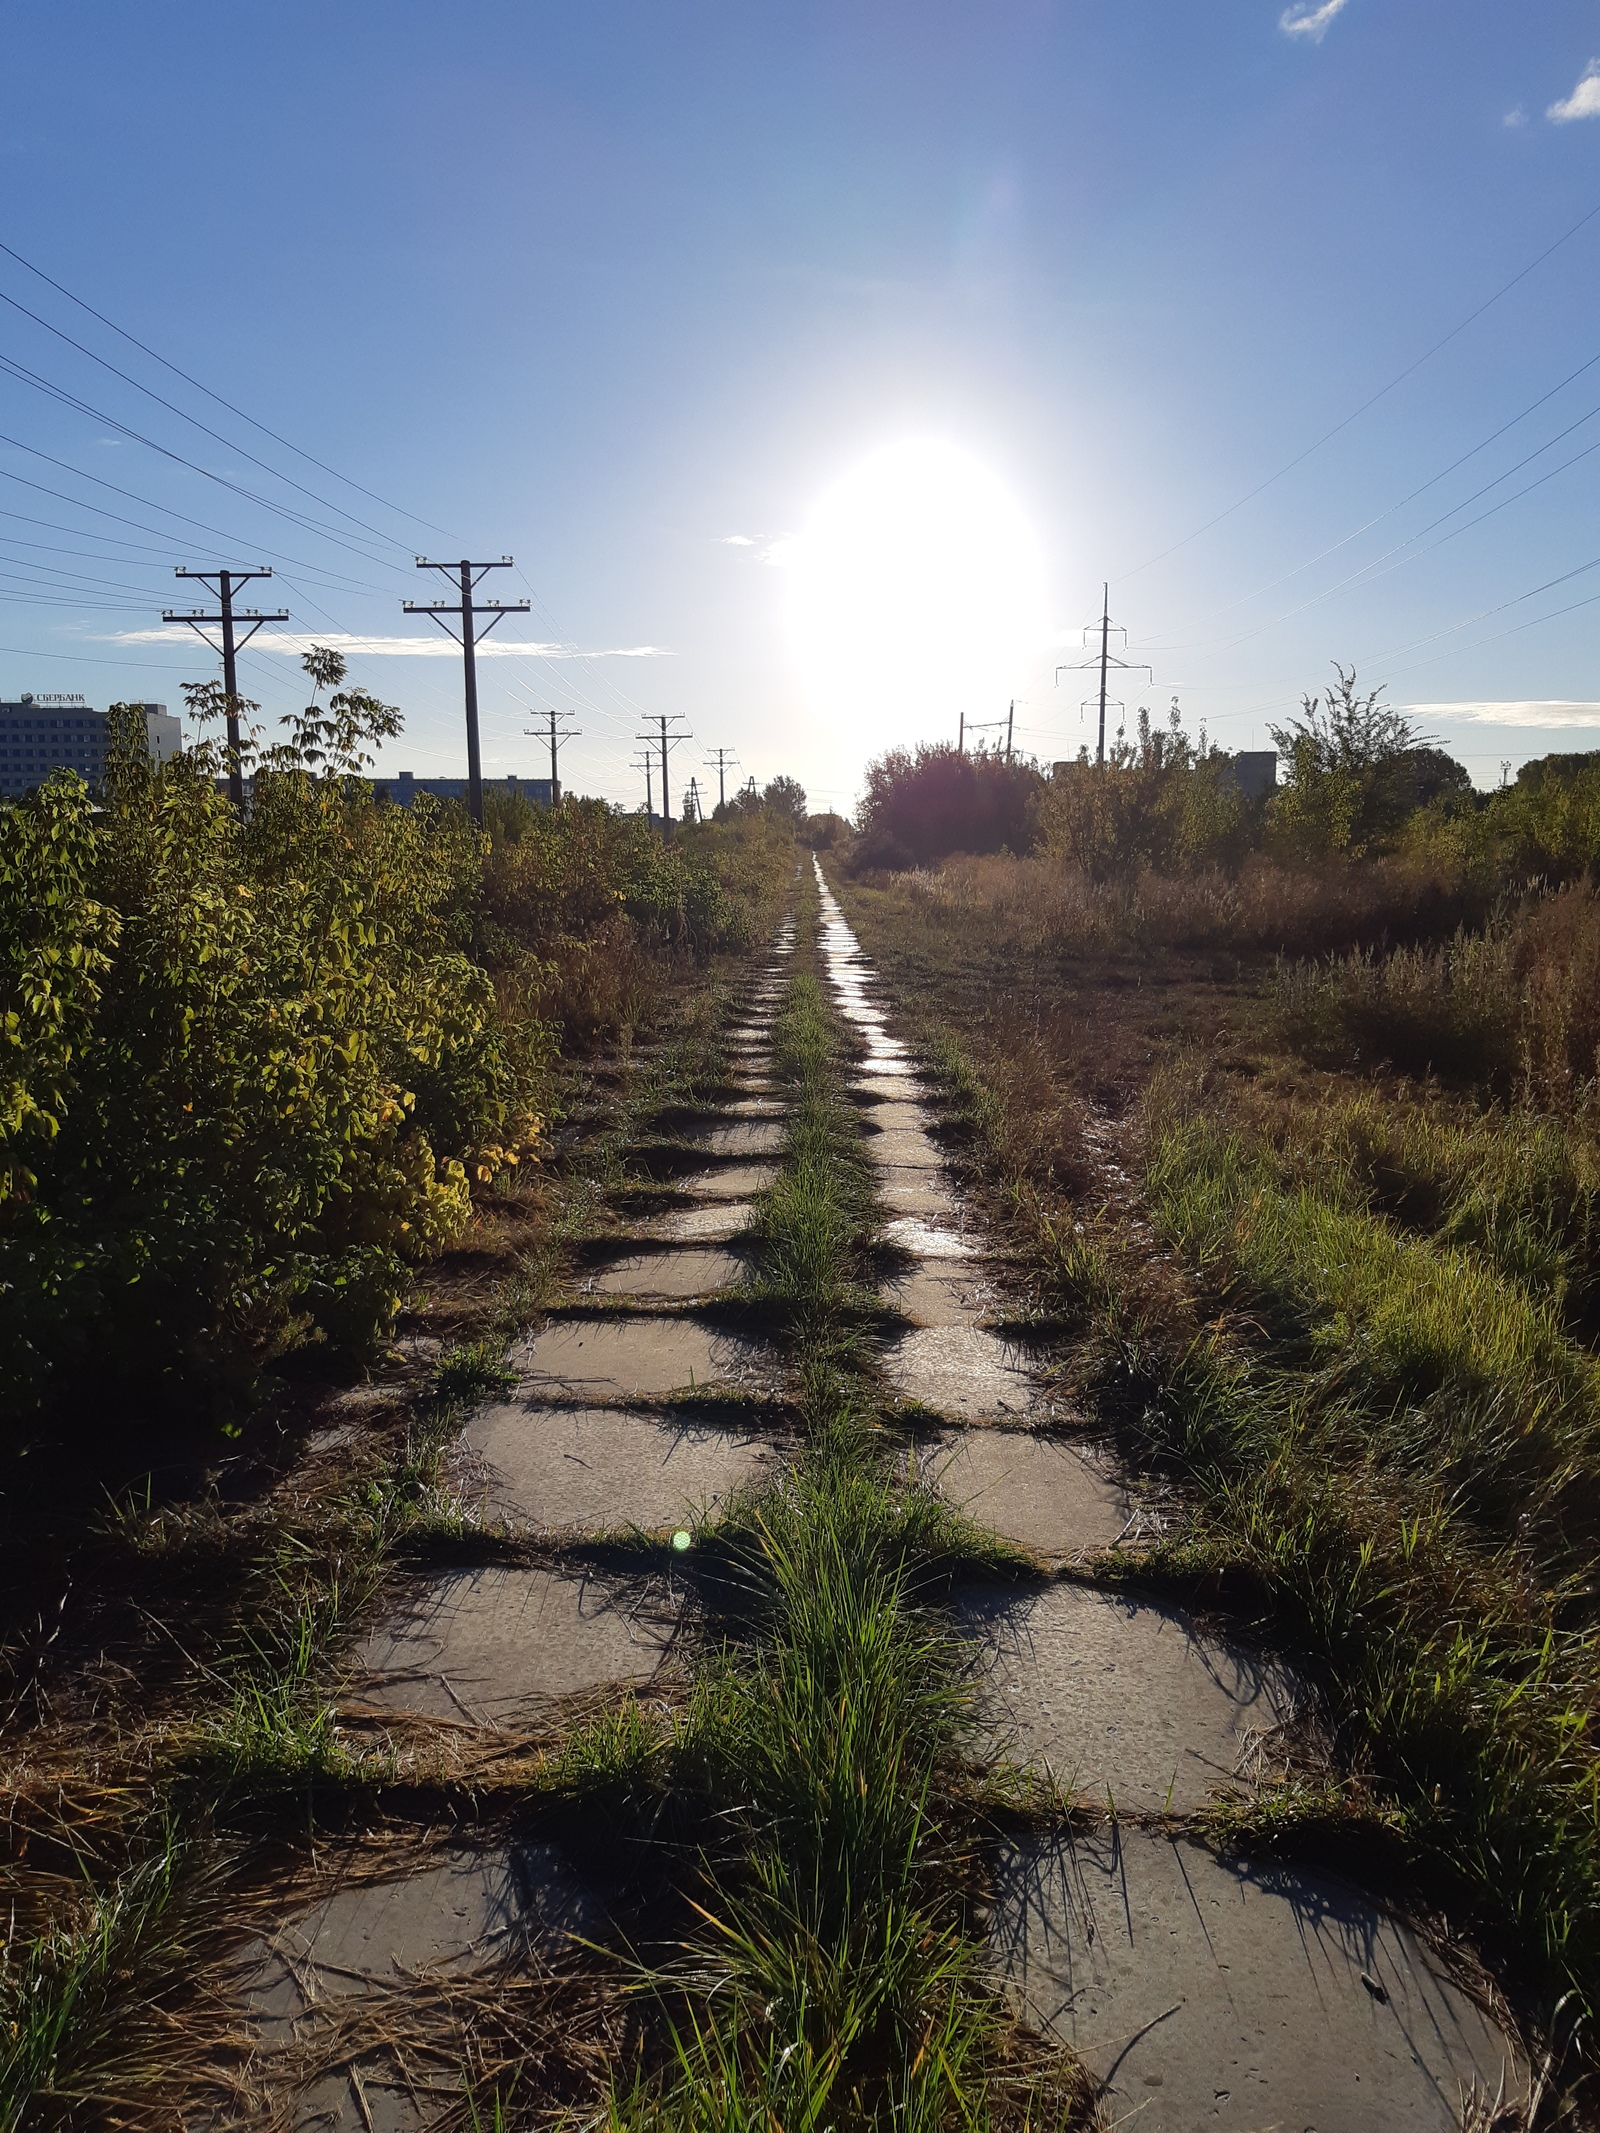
627,290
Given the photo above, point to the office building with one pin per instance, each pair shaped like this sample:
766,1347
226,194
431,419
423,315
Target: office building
39,734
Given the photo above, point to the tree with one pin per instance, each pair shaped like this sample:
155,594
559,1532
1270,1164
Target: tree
919,808
1343,790
786,797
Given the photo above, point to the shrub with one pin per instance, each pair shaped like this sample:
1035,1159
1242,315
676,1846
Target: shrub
939,800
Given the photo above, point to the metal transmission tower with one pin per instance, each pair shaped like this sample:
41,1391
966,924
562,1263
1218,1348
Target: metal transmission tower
642,761
666,741
1104,661
556,736
691,803
724,756
468,576
227,583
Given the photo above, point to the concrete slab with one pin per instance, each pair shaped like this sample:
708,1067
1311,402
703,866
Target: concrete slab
902,1115
662,1276
733,1181
930,1240
918,1192
936,1296
587,1468
312,1981
707,1225
491,1646
904,1148
1219,1995
758,1136
965,1374
883,1089
896,1065
620,1359
1119,1696
1033,1490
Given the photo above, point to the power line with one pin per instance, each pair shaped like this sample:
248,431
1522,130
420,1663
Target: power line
134,342
664,719
1382,393
723,756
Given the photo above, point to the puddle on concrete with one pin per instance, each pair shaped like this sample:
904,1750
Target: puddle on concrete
588,1468
964,1373
327,1973
933,1296
661,1276
707,1225
490,1646
624,1358
1234,1996
1120,1696
1033,1490
732,1181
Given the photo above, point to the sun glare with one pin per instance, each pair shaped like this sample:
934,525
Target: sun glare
916,593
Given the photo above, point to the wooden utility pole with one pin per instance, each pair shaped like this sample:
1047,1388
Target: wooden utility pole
227,583
664,719
556,736
1011,712
724,756
468,576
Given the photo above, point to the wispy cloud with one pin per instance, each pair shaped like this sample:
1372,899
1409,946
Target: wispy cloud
440,647
737,540
1584,102
1519,117
1306,20
1550,712
770,547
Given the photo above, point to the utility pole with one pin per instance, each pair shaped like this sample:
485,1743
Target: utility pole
642,762
227,583
961,735
468,576
1011,712
724,757
557,736
1105,662
664,719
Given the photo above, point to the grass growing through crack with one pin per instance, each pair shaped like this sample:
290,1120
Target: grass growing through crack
814,1780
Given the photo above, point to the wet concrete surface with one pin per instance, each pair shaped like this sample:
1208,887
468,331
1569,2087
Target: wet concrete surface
626,1358
495,1646
1120,1697
1207,1994
1033,1490
599,1468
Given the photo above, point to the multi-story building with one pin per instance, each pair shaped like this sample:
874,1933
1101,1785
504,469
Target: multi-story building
39,734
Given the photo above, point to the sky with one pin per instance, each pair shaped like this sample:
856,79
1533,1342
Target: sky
817,364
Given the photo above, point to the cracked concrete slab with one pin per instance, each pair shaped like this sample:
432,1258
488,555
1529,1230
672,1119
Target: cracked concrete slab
1036,1491
1207,1993
493,1645
964,1373
1119,1696
619,1359
586,1469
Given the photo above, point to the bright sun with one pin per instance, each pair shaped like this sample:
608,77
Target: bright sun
916,593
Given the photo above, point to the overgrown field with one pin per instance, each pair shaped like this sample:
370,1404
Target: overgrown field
1318,1234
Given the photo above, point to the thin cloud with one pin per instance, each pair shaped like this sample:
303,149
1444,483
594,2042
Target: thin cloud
736,540
440,647
1519,117
1552,712
1305,20
1584,102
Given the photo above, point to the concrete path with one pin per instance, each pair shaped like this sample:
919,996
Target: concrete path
1203,1994
625,1418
